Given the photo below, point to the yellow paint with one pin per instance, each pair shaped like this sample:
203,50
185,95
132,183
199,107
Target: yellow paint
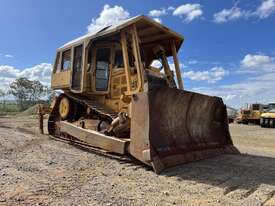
64,108
268,115
61,80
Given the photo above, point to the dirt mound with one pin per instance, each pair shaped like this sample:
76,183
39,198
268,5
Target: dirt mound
30,111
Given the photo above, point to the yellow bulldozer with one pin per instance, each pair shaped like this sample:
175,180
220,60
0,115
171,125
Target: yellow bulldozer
268,116
250,114
115,99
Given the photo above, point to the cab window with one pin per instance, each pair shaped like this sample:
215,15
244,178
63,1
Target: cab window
255,106
119,59
66,60
102,68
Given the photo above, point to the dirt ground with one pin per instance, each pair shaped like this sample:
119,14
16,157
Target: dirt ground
35,170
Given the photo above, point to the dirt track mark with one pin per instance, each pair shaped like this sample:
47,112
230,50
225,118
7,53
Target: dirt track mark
5,126
231,189
26,131
269,196
250,192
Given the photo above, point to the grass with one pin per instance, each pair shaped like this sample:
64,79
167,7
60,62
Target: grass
8,109
13,109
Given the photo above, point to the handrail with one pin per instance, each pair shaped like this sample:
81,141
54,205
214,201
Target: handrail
138,63
126,60
176,63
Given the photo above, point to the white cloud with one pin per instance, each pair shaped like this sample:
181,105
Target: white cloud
229,97
171,8
192,61
188,11
256,86
211,76
250,90
156,64
157,13
266,9
157,20
108,16
258,63
172,66
8,56
5,82
229,15
8,71
41,72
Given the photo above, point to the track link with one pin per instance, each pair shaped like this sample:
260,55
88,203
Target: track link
100,110
94,105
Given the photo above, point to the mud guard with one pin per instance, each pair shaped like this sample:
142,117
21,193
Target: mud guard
171,127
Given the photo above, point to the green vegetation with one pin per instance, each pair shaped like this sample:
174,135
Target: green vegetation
27,95
8,109
26,92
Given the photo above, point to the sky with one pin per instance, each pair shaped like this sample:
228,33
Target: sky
229,48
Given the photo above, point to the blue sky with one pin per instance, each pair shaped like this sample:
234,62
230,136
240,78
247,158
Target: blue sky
229,47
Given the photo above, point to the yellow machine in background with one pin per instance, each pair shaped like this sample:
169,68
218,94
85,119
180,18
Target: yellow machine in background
268,117
115,100
250,114
243,115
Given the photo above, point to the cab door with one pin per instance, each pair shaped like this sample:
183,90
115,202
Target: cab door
77,68
102,69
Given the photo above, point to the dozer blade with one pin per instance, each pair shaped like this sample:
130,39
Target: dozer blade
171,127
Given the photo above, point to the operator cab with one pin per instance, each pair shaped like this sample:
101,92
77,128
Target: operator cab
115,60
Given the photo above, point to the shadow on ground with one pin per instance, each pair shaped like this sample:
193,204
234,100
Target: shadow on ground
228,171
231,172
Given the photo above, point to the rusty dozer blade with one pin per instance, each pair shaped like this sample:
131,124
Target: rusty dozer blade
171,127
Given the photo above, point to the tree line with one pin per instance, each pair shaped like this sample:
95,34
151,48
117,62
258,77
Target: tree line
26,92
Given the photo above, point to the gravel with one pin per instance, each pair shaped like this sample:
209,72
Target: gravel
35,170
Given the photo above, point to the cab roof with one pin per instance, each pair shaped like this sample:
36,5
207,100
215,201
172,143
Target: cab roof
148,31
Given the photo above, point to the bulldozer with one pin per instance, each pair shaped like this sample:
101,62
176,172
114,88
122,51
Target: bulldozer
268,116
250,114
122,92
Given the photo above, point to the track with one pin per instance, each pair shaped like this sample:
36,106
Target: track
94,105
100,110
